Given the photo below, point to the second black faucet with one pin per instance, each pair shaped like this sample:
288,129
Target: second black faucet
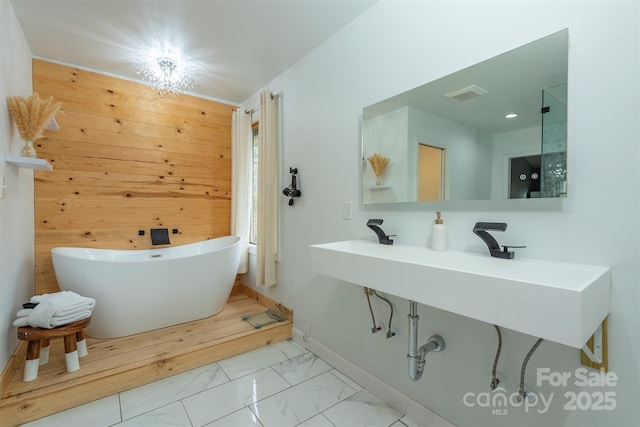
481,229
382,237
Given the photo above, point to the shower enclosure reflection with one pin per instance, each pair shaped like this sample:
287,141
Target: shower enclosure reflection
554,142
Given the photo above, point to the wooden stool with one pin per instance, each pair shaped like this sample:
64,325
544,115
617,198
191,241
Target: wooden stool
38,348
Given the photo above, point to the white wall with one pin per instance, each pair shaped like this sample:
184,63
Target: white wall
387,134
467,155
393,47
16,208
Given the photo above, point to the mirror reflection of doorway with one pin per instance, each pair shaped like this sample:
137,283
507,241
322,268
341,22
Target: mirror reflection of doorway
525,177
430,173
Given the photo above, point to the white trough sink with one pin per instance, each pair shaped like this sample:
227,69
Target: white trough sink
560,302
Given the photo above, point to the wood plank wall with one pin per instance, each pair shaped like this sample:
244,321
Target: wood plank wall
127,159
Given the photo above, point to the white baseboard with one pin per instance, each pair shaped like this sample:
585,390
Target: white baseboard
412,409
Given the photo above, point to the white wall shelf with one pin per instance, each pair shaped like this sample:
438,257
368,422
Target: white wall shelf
28,162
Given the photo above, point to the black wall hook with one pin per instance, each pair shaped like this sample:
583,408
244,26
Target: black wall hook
292,191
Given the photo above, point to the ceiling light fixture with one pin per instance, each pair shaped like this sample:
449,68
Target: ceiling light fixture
167,71
511,115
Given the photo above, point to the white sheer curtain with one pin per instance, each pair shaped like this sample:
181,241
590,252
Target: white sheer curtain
241,143
268,190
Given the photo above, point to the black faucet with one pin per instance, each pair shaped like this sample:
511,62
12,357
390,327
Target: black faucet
382,238
481,229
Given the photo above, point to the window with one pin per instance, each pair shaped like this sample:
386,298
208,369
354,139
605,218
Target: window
254,185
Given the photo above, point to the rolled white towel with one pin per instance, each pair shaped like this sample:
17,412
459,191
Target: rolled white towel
59,309
73,312
24,312
65,320
54,322
41,315
66,302
22,317
70,311
21,321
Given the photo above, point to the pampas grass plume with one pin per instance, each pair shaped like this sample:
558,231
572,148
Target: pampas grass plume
32,114
378,163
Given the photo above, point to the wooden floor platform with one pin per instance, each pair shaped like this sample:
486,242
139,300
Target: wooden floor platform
115,365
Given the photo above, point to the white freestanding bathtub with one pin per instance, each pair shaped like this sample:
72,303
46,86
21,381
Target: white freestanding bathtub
142,290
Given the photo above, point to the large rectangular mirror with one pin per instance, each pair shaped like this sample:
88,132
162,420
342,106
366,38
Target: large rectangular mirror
494,131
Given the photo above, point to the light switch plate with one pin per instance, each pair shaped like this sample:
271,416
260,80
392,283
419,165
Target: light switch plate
347,210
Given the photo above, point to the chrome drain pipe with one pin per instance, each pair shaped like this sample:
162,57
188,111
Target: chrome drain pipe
415,367
416,356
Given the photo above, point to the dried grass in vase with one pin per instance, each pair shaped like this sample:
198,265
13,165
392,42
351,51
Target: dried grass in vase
378,163
31,116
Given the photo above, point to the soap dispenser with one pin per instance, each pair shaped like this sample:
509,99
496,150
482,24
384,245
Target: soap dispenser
439,234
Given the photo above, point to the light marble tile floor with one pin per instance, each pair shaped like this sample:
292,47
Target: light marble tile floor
279,385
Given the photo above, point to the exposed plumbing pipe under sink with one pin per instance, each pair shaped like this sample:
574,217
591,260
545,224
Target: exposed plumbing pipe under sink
416,357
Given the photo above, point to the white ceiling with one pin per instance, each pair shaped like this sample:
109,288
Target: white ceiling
513,80
240,45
